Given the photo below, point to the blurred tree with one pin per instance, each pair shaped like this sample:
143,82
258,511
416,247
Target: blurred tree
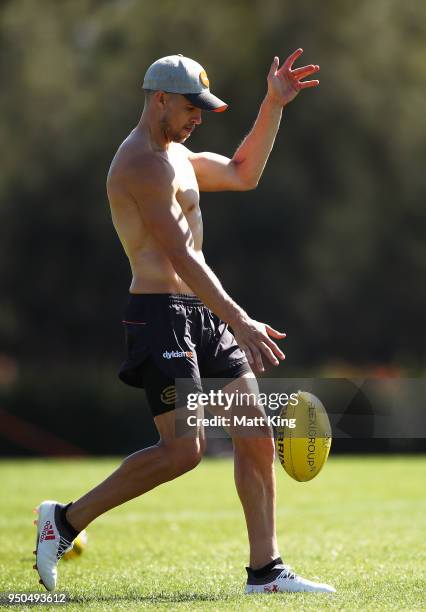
335,231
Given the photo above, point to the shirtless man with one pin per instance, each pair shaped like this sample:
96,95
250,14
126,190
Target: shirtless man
178,314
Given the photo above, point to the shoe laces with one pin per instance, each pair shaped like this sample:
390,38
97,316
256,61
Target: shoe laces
63,545
289,573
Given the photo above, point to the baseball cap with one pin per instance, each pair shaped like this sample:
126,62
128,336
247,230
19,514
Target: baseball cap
182,75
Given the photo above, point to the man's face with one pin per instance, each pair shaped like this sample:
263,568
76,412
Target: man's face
179,117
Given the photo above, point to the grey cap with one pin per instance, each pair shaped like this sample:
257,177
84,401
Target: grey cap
179,74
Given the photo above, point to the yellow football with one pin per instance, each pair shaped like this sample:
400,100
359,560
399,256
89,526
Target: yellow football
78,547
304,449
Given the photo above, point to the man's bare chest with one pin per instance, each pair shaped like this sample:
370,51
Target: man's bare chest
187,192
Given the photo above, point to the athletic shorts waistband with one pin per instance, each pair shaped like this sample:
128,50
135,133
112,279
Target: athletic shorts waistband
167,298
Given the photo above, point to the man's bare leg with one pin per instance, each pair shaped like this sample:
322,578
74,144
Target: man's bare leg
140,472
255,481
254,473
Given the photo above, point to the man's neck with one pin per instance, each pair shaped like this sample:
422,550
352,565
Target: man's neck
152,130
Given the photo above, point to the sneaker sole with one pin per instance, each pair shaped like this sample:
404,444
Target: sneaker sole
258,589
38,522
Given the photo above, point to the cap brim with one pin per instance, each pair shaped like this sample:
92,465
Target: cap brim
207,101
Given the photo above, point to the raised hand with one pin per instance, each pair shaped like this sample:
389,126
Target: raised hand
285,83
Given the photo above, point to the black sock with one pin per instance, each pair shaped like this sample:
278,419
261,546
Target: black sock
66,529
264,571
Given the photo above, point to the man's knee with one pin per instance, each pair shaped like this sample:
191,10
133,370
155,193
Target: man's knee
184,455
258,449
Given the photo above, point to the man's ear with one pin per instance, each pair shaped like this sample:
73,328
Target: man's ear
160,98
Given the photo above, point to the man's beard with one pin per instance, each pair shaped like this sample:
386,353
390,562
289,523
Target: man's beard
182,135
174,135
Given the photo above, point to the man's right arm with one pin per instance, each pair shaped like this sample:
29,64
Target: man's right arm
150,182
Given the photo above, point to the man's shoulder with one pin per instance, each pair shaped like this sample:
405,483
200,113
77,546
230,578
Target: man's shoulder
139,165
149,164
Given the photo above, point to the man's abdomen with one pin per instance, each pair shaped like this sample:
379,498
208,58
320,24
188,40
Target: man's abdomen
153,272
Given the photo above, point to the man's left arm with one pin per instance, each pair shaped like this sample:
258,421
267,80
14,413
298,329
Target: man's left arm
242,172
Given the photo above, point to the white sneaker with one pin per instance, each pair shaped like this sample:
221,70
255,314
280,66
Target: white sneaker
284,580
50,545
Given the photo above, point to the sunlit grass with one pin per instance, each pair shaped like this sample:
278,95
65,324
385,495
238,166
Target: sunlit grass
359,526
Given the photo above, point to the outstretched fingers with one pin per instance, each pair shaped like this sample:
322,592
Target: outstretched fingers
304,71
261,345
291,59
305,84
272,346
270,351
276,351
274,66
274,333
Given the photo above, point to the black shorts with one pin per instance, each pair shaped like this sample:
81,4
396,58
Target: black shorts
176,336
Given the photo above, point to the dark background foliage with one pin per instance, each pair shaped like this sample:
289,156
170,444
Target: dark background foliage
330,247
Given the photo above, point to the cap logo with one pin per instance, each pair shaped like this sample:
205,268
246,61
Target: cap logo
204,79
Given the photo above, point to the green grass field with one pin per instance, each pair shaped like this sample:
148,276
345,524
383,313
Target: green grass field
360,525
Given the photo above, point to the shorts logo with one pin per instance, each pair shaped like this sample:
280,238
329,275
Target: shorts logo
168,395
176,354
